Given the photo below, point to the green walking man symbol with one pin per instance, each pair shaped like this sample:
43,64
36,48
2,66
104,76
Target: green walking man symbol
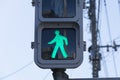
60,41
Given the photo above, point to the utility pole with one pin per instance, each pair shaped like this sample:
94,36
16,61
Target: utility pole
94,50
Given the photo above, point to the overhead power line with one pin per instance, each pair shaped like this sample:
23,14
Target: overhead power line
119,5
13,73
46,76
99,36
109,31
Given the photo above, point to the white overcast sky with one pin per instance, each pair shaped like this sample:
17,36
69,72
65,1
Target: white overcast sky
17,32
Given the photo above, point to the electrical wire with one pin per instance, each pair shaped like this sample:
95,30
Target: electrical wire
98,21
98,16
99,36
119,5
46,76
13,73
117,39
109,31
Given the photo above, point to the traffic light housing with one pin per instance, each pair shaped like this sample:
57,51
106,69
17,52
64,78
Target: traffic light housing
58,40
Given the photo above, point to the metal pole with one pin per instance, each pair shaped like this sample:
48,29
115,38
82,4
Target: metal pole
59,74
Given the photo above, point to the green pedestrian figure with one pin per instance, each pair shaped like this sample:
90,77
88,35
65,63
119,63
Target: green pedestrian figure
60,41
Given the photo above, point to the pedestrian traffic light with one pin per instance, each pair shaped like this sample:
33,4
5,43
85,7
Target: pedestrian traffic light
60,45
58,33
